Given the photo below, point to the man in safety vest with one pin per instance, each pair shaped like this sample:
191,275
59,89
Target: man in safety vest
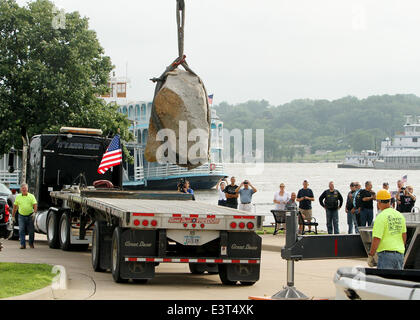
389,235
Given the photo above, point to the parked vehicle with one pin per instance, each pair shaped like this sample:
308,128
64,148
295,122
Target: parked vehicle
5,211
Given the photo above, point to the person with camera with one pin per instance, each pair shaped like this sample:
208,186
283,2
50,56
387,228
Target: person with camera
220,187
246,195
407,200
184,187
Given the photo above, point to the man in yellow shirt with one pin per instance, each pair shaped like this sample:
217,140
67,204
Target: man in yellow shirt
26,205
389,235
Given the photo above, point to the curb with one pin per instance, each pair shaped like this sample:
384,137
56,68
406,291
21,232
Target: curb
58,283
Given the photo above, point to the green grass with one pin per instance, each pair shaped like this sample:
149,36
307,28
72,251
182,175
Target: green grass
17,279
333,156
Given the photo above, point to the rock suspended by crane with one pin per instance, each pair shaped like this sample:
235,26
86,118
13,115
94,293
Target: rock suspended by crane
181,112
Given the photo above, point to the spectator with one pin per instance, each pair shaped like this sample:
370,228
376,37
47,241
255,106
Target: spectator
291,204
231,194
351,216
185,187
367,196
305,197
26,205
246,195
385,186
407,200
357,203
332,201
400,193
281,198
222,195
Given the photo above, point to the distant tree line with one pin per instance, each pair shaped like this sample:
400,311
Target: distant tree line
348,123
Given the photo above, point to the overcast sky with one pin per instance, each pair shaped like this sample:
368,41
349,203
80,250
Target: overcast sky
278,50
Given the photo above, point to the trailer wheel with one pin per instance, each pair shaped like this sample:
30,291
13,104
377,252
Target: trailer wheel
64,232
197,268
52,230
223,275
96,248
116,257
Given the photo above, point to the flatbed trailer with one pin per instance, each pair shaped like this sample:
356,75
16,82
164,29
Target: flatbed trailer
133,232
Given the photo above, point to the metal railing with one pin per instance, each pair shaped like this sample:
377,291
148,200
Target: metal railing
173,170
11,178
139,174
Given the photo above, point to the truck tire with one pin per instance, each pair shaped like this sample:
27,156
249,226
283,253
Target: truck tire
197,268
64,233
96,249
247,283
52,230
223,275
116,257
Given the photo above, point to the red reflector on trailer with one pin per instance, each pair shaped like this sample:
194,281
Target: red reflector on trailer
233,225
185,225
194,225
145,223
250,225
202,226
244,217
154,223
176,216
211,216
184,260
193,215
201,260
136,223
143,214
242,225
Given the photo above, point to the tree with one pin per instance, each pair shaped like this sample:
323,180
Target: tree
50,75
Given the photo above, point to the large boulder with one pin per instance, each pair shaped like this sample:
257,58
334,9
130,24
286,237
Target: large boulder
181,106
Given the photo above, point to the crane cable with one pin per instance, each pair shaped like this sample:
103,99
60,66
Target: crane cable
181,60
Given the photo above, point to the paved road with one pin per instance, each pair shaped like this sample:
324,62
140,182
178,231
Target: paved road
173,281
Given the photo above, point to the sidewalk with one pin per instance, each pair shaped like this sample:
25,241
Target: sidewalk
174,281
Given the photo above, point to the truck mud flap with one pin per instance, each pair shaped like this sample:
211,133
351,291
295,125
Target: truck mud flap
241,272
138,243
243,245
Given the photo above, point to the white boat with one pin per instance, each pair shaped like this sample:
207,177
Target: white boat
365,159
402,152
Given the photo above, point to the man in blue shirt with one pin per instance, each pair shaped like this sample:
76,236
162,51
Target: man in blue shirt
246,195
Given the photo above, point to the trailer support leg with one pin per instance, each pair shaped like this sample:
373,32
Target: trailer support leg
290,292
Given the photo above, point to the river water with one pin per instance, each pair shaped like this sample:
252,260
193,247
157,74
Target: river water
268,178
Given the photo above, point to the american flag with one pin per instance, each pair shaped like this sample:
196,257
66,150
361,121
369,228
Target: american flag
112,156
404,179
211,99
